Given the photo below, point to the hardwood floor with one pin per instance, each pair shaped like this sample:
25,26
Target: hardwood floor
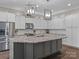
66,53
4,55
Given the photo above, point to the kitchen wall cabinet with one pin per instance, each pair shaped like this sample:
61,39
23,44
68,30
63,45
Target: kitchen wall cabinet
3,17
7,17
20,22
11,17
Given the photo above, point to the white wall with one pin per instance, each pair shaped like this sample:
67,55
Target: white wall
57,22
72,29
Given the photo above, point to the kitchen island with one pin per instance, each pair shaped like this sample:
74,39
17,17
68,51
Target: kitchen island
35,47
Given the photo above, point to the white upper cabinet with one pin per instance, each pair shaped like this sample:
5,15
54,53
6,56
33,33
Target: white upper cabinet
11,17
7,17
3,16
20,22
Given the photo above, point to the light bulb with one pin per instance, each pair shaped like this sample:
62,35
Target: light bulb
37,6
47,15
69,4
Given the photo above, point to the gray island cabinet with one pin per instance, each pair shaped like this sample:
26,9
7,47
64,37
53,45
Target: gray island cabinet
33,47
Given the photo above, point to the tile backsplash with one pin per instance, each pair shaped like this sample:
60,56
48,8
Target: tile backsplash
39,31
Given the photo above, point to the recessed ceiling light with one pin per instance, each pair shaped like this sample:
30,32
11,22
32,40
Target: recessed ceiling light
52,10
47,0
69,4
37,6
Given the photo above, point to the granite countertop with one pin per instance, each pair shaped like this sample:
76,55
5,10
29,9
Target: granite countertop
36,38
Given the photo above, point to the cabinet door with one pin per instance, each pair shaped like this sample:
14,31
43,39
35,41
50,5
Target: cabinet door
18,51
20,22
53,46
28,51
11,17
3,16
59,44
47,48
38,50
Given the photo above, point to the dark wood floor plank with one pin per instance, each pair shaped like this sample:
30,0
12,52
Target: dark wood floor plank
66,53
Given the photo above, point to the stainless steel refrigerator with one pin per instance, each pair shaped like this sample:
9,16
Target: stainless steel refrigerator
4,41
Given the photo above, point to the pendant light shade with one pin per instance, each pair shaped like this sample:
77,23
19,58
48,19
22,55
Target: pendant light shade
47,14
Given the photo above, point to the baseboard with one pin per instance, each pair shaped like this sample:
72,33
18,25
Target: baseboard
4,50
73,47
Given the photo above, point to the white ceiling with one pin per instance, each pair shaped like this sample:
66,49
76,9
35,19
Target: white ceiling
56,5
